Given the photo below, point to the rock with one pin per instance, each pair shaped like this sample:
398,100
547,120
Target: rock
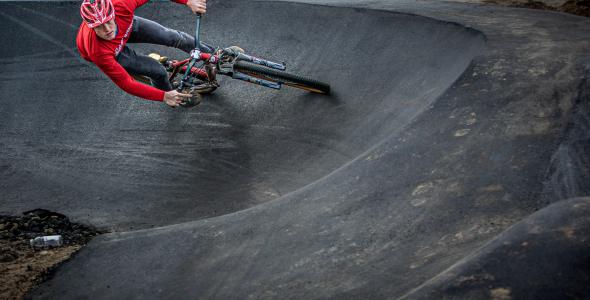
8,256
49,231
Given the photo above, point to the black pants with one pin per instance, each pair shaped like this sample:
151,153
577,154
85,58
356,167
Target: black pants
147,31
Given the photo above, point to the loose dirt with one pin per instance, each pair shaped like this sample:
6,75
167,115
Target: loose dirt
21,266
576,7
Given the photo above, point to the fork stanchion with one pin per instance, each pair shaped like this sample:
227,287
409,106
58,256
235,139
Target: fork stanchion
251,79
262,62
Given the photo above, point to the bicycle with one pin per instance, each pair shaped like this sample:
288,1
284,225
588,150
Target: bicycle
200,70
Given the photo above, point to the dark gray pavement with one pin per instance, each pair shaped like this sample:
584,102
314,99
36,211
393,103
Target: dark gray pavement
450,125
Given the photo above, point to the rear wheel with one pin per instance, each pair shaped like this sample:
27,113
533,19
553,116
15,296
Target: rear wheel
282,77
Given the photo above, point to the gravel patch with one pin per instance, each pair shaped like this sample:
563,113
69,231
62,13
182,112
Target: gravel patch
21,266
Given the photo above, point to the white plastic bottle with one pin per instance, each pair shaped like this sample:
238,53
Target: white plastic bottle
47,241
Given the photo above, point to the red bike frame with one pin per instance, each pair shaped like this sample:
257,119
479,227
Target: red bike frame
180,66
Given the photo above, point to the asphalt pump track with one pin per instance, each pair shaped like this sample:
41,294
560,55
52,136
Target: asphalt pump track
451,159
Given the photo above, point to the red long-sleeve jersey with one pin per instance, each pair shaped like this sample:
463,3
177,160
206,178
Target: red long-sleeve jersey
102,52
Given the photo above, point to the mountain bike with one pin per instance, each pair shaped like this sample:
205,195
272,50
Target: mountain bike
200,70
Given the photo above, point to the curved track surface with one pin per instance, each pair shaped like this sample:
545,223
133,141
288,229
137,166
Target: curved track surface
449,126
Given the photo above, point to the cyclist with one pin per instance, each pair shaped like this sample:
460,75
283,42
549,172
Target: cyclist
107,27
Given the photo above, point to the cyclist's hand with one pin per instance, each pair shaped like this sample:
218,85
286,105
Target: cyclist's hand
197,6
173,98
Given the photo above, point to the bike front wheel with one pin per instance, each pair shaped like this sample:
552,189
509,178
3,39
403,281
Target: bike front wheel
282,77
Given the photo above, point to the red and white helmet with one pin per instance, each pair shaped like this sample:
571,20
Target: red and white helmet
97,12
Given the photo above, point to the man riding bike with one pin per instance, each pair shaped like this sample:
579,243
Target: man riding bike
110,24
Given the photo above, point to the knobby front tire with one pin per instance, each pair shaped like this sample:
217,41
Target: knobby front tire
282,77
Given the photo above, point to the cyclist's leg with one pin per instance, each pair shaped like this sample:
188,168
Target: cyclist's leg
147,31
144,65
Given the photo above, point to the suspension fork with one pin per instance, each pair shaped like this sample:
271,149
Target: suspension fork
263,62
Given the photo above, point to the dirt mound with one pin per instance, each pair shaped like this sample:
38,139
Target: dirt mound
576,7
21,266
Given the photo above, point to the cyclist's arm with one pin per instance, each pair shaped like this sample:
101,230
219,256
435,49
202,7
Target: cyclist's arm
124,81
195,5
142,2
